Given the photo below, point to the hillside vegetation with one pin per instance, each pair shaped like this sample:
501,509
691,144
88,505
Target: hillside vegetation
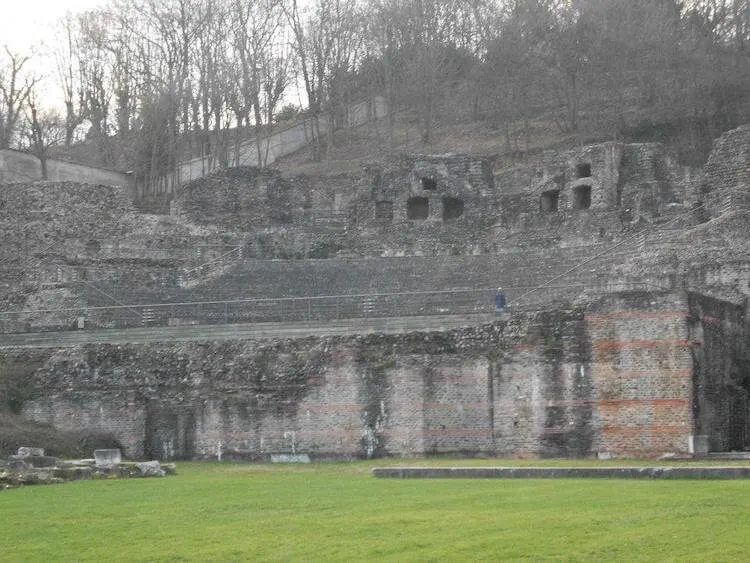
523,73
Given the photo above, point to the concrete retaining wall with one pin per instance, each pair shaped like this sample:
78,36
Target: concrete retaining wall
272,147
17,166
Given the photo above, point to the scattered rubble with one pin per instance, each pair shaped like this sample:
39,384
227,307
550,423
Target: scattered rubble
31,467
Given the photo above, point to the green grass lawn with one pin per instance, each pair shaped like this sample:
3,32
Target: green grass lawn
338,512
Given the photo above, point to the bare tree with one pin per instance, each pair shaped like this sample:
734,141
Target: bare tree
15,87
327,40
67,57
44,131
309,68
263,65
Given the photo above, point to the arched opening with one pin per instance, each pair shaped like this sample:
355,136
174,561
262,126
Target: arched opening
384,210
549,201
453,208
582,197
417,208
429,184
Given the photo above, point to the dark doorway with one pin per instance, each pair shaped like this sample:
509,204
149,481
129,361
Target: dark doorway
582,197
417,208
170,433
737,428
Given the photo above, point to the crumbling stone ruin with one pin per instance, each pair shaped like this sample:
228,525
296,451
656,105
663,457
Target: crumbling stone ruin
627,277
31,467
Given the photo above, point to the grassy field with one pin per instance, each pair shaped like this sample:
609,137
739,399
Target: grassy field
338,512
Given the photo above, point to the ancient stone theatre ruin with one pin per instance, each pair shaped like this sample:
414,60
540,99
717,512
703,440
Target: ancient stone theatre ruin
626,275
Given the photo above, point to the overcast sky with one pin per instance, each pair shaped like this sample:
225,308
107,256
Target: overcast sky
26,25
25,22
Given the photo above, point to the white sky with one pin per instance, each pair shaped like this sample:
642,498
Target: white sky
25,22
25,27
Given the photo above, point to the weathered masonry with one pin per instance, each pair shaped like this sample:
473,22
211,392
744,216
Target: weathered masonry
626,376
629,373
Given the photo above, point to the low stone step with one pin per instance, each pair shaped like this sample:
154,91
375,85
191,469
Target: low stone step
679,472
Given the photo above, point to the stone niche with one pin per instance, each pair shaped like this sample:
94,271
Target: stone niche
434,188
590,193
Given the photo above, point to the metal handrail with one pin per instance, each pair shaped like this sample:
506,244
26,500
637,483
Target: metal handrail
292,309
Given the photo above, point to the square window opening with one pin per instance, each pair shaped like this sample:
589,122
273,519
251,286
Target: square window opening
429,184
583,170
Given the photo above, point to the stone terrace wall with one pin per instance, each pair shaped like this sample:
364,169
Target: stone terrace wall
728,165
21,167
81,238
543,384
726,184
341,276
35,215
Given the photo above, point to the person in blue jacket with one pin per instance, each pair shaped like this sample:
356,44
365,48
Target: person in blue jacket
499,301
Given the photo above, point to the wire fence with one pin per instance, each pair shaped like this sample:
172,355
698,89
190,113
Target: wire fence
301,309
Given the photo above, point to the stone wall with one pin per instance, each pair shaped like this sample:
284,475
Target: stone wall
272,147
17,166
727,166
75,236
721,375
556,383
494,235
642,368
446,204
594,194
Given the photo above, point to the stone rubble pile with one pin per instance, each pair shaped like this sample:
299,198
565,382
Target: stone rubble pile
31,467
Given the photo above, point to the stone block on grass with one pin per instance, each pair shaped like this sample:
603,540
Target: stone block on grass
26,451
150,469
290,458
40,461
18,464
107,458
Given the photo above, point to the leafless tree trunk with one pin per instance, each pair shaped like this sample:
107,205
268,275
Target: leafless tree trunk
15,89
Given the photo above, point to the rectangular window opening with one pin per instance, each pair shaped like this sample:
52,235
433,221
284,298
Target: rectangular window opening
549,201
582,197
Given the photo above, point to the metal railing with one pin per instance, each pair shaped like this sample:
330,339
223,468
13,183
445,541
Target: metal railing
302,309
210,269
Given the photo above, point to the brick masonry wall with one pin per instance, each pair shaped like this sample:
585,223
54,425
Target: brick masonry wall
559,383
641,369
